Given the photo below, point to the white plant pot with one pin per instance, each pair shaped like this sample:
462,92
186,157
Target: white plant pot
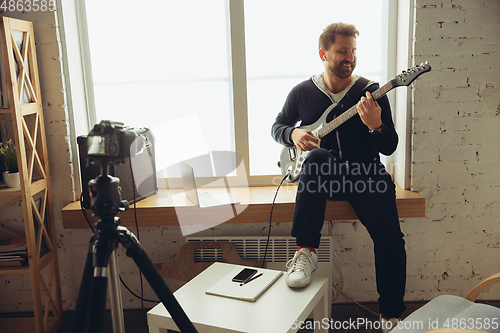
11,179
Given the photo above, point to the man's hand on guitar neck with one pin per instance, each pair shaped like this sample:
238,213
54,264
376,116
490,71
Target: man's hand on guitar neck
304,139
369,111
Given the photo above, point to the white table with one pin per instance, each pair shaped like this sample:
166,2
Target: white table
279,309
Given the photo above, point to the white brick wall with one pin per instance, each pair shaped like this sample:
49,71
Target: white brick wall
456,148
456,144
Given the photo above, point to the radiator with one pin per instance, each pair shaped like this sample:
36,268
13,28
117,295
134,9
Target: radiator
280,250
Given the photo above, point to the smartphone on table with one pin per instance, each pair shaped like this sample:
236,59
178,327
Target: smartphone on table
244,275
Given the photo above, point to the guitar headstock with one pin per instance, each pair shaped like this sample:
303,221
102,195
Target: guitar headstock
408,76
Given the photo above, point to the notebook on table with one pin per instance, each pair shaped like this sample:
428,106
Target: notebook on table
250,291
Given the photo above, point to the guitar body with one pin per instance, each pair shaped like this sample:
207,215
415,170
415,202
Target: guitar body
292,158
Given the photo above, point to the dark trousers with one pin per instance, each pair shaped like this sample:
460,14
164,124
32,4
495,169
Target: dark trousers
369,189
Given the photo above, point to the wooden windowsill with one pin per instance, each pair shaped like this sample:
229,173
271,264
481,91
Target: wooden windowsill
163,208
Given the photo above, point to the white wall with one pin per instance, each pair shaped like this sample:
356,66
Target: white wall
456,146
455,150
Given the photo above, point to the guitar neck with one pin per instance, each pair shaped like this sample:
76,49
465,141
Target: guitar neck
339,120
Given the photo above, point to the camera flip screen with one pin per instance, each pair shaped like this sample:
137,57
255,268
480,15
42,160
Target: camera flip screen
96,145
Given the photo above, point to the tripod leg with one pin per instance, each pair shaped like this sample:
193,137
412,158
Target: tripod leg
115,295
82,304
163,292
95,321
101,251
155,280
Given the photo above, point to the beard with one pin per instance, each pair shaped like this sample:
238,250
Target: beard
341,71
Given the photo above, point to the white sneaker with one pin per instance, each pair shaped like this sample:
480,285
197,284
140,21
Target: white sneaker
300,268
388,325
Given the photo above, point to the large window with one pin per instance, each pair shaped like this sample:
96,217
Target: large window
282,50
164,65
212,75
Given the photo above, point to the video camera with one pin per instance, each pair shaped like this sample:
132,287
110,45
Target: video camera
111,141
108,144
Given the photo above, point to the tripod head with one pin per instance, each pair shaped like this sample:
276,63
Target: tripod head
109,143
105,195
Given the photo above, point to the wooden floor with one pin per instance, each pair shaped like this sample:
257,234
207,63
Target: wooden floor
136,322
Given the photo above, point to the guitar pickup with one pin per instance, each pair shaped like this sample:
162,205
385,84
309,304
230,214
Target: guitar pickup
292,154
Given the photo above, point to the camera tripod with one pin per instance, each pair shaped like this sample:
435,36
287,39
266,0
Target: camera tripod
101,266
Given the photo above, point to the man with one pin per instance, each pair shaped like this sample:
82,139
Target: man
345,165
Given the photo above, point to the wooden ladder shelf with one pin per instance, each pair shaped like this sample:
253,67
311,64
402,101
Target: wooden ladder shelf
25,107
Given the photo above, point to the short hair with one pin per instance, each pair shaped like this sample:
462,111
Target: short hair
327,37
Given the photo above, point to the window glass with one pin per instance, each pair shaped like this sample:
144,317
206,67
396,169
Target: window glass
282,50
166,65
159,63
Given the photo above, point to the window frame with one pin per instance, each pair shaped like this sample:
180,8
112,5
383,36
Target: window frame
72,18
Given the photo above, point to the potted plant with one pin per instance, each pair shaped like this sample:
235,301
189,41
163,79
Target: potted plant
9,161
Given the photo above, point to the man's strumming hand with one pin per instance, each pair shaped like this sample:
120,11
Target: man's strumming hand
304,139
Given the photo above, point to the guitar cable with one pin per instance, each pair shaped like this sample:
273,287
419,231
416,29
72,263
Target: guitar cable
271,215
137,229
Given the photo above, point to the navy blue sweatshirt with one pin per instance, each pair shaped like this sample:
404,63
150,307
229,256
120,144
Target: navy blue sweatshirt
306,103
